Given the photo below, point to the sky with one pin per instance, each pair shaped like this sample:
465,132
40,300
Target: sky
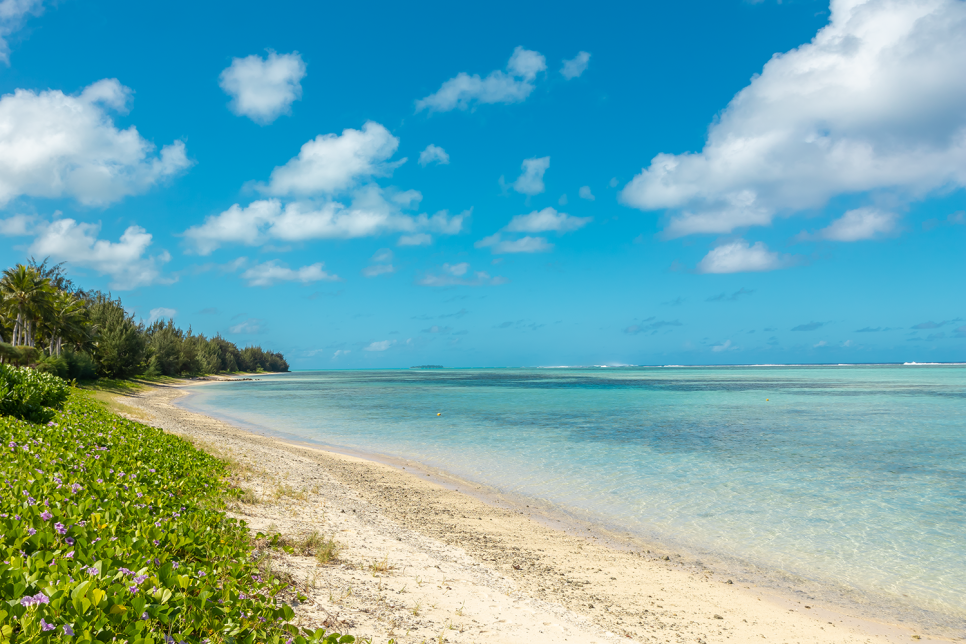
501,184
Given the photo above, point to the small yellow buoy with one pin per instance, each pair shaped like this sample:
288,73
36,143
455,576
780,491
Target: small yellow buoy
766,399
439,414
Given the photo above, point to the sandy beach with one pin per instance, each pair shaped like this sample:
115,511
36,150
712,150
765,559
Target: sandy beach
425,558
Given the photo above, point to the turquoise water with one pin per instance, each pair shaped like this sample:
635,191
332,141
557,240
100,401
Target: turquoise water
853,478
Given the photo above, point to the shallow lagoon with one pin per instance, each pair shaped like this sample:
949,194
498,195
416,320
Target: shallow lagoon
851,477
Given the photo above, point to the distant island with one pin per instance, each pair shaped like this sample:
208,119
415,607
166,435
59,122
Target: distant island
428,366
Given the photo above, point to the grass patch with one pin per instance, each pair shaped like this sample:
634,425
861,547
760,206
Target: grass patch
111,530
324,549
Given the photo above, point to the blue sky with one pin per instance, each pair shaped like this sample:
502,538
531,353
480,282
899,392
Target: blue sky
501,185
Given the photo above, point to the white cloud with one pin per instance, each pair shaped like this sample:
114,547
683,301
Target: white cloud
18,225
332,163
378,269
464,91
125,261
433,153
272,272
458,275
12,16
858,224
371,213
724,346
530,181
563,200
419,239
382,266
538,221
382,255
161,313
575,66
546,220
263,88
57,145
528,244
585,193
249,326
341,352
873,103
382,345
740,257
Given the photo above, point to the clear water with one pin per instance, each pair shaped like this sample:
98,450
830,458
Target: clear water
850,476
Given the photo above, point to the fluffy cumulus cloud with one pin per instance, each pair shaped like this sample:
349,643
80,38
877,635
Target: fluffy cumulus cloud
371,213
546,220
460,275
874,103
575,66
512,86
328,191
331,163
417,239
380,345
264,88
272,272
58,145
530,181
585,193
858,224
538,221
126,261
739,256
433,154
527,244
13,13
161,313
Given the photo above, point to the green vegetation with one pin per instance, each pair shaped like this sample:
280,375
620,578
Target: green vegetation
111,530
60,329
27,394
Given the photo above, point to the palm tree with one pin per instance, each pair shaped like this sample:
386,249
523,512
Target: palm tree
25,292
67,320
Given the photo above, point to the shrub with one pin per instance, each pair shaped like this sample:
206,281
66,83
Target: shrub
80,366
111,530
54,365
29,394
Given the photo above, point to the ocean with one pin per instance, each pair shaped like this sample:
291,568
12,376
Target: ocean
847,482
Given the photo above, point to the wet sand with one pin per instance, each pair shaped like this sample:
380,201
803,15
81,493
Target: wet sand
428,558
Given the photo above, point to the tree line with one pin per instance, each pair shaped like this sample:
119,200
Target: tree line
52,325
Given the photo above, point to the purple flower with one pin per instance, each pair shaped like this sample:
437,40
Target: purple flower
75,488
46,516
60,528
175,565
140,579
145,617
44,626
37,599
69,541
68,630
201,573
93,571
133,589
31,531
